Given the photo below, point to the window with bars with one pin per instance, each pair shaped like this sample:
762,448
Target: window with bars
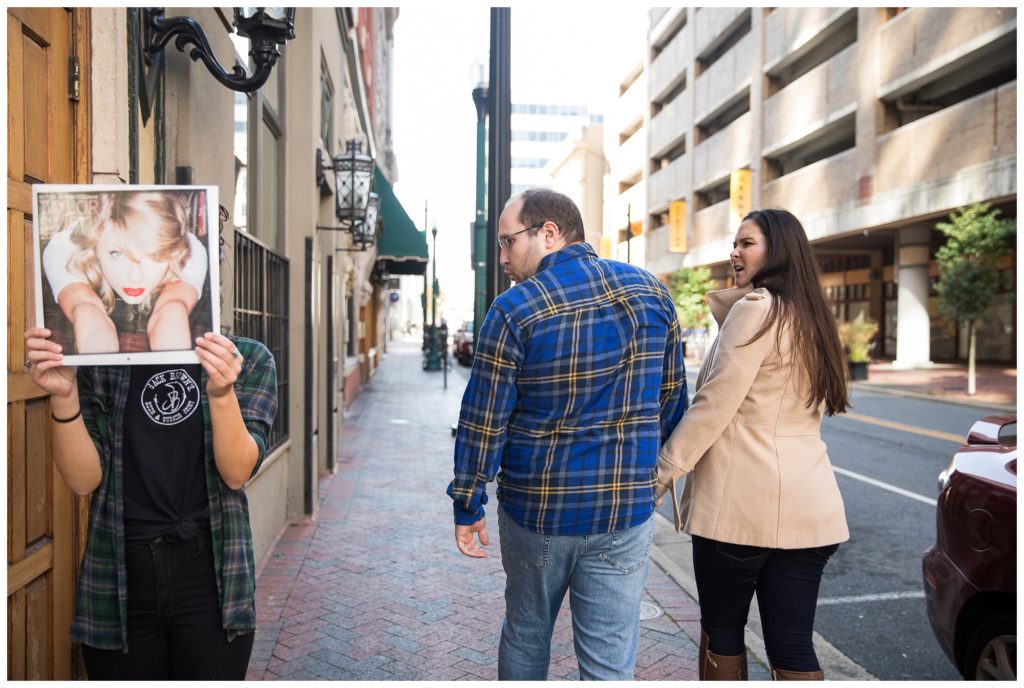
261,270
261,313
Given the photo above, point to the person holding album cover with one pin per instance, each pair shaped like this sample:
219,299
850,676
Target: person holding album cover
128,276
166,584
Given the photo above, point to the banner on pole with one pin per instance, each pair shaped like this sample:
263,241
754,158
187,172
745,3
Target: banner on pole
677,227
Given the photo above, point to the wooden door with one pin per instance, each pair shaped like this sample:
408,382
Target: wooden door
47,141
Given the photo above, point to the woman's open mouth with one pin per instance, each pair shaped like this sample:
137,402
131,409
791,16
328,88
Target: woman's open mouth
134,291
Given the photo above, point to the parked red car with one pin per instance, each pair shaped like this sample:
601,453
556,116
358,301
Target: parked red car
970,574
462,344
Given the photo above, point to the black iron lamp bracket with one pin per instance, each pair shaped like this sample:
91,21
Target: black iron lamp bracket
358,246
158,30
324,164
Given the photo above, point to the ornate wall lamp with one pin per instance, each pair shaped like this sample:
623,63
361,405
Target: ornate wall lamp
267,28
355,204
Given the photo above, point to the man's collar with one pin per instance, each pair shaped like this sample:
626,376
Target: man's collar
570,252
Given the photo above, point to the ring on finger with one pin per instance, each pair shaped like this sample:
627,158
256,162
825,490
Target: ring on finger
28,364
235,354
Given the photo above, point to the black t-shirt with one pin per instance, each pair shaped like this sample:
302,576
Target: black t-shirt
164,454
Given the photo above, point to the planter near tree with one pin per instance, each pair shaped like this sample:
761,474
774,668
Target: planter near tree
856,337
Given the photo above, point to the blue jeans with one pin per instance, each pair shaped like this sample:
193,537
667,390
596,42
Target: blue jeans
786,584
604,574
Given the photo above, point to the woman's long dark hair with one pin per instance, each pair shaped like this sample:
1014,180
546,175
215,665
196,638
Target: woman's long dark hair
790,274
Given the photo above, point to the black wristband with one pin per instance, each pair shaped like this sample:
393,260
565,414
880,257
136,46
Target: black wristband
67,420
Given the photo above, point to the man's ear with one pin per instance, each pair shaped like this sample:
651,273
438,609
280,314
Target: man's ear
552,234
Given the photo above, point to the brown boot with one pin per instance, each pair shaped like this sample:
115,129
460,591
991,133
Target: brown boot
787,675
712,667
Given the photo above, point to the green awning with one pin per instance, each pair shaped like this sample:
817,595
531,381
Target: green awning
401,246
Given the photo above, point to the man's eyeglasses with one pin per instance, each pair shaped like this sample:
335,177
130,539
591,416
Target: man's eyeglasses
505,242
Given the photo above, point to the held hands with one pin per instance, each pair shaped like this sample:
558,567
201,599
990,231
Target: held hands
659,493
659,489
221,361
466,544
45,361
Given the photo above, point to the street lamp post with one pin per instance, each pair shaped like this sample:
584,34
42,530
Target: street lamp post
481,101
433,294
433,339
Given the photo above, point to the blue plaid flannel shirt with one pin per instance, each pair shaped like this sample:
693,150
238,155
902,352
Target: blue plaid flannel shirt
101,601
577,380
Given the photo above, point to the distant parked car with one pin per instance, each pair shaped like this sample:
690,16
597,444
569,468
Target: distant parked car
970,574
462,344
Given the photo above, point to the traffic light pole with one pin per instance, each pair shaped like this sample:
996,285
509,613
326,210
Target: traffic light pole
499,158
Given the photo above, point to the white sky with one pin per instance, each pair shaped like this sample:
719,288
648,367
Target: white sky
562,52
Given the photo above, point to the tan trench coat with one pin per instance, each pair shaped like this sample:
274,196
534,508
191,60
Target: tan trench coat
757,470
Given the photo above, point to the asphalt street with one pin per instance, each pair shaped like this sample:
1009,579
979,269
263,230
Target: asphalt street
871,605
871,618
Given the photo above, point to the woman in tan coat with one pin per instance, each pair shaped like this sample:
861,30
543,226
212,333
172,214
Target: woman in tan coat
760,500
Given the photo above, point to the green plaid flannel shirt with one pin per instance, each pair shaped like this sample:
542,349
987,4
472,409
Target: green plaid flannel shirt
101,602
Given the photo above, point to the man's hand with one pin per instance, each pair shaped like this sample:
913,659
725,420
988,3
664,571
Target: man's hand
464,539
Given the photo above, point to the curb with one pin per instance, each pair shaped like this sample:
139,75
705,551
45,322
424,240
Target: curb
897,392
835,664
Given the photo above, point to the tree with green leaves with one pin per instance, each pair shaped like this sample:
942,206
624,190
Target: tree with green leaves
688,287
976,240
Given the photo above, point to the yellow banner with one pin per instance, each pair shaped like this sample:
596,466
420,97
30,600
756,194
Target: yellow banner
677,227
740,192
636,228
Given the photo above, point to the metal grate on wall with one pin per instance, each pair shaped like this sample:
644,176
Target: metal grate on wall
261,313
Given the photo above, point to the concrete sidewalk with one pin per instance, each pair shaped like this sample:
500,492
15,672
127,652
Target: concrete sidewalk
375,588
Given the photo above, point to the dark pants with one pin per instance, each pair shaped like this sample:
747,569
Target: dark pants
174,619
786,583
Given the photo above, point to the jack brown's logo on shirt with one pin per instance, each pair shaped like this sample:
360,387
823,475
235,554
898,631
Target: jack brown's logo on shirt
169,397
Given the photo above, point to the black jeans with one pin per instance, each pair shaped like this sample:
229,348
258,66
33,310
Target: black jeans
174,619
786,582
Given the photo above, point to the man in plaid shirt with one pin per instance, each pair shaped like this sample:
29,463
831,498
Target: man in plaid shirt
577,380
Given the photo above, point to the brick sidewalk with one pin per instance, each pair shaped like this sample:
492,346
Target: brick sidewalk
996,386
375,589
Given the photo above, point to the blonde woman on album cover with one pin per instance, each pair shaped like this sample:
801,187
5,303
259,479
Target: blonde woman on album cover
128,276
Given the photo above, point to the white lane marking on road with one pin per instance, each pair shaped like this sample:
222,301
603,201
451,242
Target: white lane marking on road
885,486
877,597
